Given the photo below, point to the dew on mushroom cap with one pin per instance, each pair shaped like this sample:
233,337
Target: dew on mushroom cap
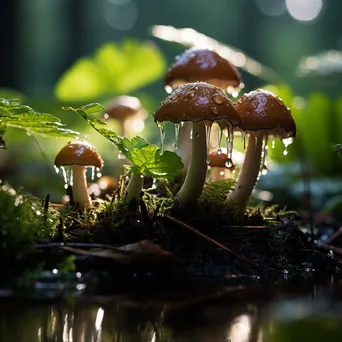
203,65
265,113
198,101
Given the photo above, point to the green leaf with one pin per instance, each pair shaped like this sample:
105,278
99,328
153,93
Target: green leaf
115,69
2,137
146,158
13,114
81,82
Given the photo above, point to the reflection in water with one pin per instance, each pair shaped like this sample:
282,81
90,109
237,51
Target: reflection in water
239,315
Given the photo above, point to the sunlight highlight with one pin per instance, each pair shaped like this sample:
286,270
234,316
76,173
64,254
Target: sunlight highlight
240,329
304,10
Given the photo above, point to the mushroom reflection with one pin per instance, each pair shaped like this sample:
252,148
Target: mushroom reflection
240,329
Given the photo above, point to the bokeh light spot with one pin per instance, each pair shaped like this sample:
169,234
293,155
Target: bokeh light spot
304,10
121,14
272,8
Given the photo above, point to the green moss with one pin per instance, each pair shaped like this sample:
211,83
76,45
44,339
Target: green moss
23,222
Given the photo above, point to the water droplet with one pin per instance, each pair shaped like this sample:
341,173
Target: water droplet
65,176
56,169
230,140
208,125
218,99
162,136
177,128
215,110
273,143
121,156
92,168
168,89
264,149
154,183
229,164
235,94
219,139
264,170
192,94
243,139
287,142
196,88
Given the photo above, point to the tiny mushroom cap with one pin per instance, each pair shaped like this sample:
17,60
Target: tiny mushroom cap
217,159
203,65
78,153
122,108
262,111
198,101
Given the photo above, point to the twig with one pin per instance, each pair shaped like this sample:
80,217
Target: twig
249,227
214,242
74,244
330,248
335,236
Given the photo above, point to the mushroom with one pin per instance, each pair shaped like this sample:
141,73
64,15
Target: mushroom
263,114
127,110
217,164
203,65
79,155
201,104
199,65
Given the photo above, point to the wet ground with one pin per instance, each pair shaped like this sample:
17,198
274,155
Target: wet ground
279,308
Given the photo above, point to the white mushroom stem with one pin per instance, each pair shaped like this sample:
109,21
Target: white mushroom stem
249,172
197,171
79,187
134,187
217,173
184,144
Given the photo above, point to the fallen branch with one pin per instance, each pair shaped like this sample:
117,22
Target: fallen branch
214,242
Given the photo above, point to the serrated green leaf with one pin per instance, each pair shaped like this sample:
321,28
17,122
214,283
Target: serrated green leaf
150,161
14,114
146,158
115,69
92,108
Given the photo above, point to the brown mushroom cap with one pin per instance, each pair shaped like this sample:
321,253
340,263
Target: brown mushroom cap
122,107
197,101
261,110
78,153
217,159
202,65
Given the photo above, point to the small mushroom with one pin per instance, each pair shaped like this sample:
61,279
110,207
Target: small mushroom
79,155
128,112
263,114
199,65
201,104
217,164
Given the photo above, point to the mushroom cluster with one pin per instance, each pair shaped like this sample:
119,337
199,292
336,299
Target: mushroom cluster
194,106
198,80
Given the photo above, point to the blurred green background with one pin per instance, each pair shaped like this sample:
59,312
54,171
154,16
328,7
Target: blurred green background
42,39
